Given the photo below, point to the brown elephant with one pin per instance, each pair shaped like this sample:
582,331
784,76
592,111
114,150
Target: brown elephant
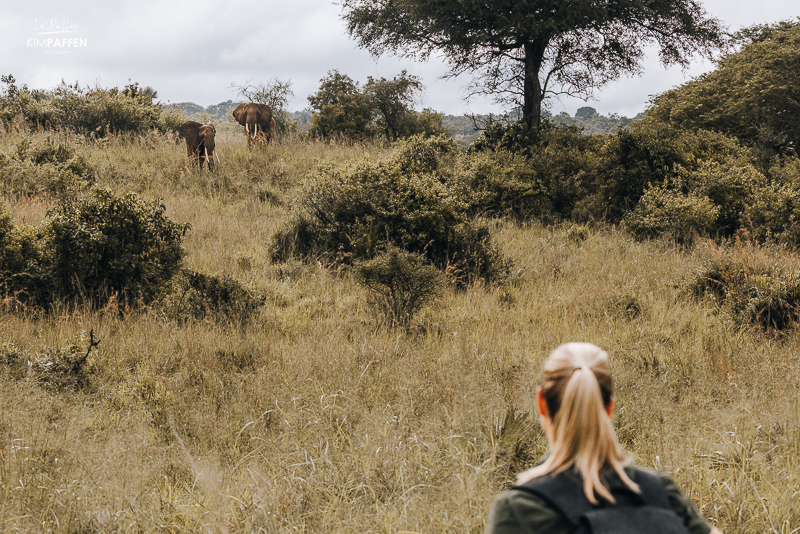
258,122
199,142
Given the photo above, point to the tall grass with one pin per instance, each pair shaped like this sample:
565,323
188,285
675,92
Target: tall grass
317,416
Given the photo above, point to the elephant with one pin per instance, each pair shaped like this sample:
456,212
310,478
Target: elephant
199,142
258,122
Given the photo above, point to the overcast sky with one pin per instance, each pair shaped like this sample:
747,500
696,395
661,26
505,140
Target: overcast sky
192,51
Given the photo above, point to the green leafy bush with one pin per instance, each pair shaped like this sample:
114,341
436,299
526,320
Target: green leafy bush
199,295
38,164
774,212
499,183
404,201
89,111
554,163
90,247
516,137
771,302
730,185
649,153
400,283
671,214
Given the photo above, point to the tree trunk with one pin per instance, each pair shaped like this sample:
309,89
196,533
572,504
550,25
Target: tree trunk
533,96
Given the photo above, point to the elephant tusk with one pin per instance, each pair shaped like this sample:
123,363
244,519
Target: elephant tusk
217,156
256,134
206,154
246,127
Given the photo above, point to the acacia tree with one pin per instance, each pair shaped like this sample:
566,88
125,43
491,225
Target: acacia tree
521,51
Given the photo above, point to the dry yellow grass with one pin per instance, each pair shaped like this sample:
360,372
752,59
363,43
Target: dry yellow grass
317,417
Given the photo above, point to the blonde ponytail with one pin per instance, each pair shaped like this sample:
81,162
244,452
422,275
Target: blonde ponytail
577,390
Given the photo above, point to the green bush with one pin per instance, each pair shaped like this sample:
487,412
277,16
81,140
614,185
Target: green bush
19,257
403,201
649,153
37,164
90,247
771,302
554,164
400,283
199,295
668,213
89,111
774,213
499,183
731,186
516,137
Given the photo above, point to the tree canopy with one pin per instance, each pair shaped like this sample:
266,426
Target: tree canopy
382,107
754,94
523,51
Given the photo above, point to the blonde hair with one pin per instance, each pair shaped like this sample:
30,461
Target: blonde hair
577,390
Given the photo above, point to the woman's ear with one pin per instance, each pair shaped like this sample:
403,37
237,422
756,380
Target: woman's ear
541,403
610,406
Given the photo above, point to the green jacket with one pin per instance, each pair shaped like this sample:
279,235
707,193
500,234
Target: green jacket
521,512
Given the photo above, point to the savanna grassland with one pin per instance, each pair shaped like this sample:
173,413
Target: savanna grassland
316,414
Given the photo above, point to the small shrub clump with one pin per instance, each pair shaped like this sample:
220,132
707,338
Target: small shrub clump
669,213
90,247
198,295
400,283
404,201
58,369
40,165
750,295
96,112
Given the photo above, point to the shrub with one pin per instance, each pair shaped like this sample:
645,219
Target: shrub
37,164
404,201
671,214
89,111
400,282
649,153
54,368
199,295
774,213
750,294
19,257
771,302
95,245
499,183
515,137
556,162
730,185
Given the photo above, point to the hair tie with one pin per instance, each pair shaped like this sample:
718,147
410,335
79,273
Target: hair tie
582,366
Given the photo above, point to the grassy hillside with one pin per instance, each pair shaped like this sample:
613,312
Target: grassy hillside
318,416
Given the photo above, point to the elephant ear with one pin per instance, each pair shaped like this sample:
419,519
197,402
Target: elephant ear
188,130
191,132
265,110
239,113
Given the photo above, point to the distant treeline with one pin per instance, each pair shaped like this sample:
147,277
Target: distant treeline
463,127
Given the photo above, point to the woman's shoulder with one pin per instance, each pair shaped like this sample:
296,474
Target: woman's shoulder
515,511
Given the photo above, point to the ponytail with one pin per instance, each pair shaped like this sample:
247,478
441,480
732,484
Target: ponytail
577,390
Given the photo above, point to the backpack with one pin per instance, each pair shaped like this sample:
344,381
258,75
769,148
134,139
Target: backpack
648,512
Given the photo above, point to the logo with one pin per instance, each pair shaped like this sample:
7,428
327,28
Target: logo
56,36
